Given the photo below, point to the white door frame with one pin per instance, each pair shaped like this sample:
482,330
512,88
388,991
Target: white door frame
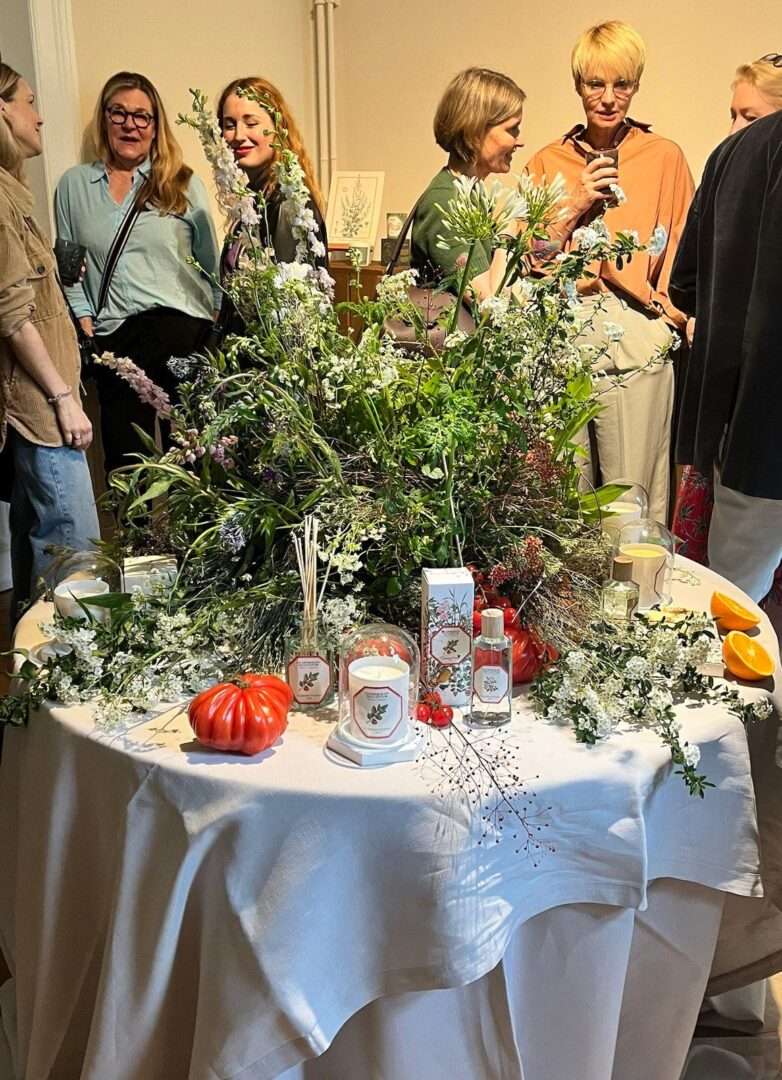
57,86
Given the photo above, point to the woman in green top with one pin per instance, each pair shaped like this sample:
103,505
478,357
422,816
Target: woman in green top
477,123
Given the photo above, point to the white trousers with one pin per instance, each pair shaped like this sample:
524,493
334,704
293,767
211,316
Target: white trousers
745,539
633,430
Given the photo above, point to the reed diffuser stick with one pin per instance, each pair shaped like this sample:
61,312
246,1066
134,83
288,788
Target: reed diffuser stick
307,558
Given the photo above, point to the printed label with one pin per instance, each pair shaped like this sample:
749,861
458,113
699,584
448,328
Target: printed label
491,684
309,677
376,712
450,645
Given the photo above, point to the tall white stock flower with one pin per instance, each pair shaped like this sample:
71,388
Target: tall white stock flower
304,225
234,196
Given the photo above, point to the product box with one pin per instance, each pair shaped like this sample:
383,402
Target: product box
446,633
148,572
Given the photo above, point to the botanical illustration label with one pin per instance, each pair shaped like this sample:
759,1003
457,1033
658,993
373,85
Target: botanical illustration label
491,683
450,645
446,633
309,677
376,712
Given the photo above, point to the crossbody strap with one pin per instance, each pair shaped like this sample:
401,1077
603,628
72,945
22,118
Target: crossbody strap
119,241
401,238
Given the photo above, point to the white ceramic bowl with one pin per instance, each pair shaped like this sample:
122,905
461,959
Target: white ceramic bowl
68,593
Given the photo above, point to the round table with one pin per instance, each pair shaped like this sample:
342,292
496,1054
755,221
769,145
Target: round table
172,912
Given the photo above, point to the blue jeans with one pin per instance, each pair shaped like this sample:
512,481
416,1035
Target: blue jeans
52,504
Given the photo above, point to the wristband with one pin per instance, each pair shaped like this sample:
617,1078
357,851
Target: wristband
58,397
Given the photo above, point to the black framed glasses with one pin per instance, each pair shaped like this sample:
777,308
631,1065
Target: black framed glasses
140,119
774,58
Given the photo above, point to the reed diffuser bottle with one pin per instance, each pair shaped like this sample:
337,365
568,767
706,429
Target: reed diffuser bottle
309,668
492,667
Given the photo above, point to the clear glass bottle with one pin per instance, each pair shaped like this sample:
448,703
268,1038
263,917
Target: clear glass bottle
492,668
309,668
619,597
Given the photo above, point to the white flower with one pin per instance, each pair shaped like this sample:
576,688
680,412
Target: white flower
657,241
692,754
613,331
618,194
762,709
495,306
454,339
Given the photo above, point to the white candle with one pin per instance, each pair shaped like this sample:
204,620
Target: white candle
649,563
379,688
622,513
68,593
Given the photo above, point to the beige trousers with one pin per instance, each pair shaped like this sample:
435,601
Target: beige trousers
633,431
745,539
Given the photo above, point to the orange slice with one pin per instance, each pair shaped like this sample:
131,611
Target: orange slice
745,659
730,614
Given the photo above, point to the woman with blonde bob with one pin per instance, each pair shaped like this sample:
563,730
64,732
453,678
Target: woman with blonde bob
147,301
43,429
616,167
477,123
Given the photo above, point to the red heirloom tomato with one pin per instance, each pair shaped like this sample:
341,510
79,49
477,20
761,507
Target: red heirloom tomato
246,716
526,660
376,647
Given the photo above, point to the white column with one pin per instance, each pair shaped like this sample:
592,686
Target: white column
56,81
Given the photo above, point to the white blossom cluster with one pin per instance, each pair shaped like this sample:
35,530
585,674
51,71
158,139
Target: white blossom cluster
293,185
635,677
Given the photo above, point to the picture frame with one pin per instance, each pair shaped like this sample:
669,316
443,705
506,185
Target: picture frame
395,220
353,213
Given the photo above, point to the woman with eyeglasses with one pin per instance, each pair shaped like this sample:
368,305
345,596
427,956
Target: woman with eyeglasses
43,429
617,167
142,216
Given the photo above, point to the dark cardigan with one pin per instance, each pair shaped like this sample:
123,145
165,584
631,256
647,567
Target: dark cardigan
728,273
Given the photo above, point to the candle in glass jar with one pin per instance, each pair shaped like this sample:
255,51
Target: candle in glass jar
649,562
621,514
379,688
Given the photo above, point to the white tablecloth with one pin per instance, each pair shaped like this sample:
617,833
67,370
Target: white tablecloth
172,912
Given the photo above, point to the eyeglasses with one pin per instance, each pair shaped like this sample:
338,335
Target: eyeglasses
774,58
597,87
141,120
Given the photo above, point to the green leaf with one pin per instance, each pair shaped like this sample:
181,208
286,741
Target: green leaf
602,496
433,472
160,487
393,587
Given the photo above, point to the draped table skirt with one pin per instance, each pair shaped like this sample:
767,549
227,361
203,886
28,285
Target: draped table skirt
170,912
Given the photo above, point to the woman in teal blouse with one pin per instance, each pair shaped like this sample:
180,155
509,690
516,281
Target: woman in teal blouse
158,305
477,123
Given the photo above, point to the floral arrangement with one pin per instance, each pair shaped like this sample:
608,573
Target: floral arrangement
408,457
636,676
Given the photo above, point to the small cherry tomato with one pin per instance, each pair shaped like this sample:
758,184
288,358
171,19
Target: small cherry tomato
423,712
476,622
432,698
442,716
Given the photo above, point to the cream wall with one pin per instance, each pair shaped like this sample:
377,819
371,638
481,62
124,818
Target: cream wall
200,43
394,59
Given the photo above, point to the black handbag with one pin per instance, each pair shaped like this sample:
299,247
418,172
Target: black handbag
432,302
